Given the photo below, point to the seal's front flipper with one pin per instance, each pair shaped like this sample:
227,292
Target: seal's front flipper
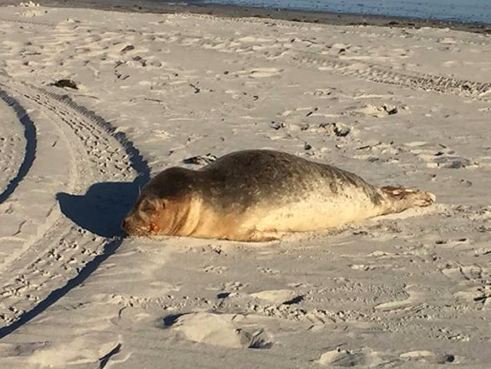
400,199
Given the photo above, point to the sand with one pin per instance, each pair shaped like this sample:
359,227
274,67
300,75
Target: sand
398,106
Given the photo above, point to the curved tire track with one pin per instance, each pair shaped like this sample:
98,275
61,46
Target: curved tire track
30,145
64,255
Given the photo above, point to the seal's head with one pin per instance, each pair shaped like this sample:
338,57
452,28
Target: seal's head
146,217
163,204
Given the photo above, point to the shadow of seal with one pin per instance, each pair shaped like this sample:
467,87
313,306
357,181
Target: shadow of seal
103,207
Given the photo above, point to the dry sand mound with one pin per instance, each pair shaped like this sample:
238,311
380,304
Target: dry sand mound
226,330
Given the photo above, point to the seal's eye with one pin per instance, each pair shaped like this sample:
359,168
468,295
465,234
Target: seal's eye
148,207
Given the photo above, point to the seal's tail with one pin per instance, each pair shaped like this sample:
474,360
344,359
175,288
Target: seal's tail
400,199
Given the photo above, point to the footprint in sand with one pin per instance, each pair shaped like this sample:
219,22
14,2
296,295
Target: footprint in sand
439,157
225,330
485,161
349,358
427,357
22,349
276,296
415,297
80,350
376,111
215,269
260,73
321,93
32,13
472,280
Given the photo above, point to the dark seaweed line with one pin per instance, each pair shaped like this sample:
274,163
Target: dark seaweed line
139,164
31,143
28,22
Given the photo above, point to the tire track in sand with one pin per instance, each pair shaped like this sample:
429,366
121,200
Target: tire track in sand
50,262
409,79
11,144
363,70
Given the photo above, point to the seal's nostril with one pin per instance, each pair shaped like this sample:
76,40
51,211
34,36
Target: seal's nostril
124,224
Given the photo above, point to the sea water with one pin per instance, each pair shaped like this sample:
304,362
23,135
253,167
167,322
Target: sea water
447,10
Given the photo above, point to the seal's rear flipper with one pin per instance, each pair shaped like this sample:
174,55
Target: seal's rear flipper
400,199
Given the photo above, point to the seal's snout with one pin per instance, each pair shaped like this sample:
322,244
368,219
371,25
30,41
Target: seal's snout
131,227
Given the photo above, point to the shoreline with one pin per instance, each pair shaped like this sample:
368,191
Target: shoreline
339,19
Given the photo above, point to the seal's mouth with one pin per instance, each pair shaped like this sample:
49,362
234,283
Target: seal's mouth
131,230
136,232
145,230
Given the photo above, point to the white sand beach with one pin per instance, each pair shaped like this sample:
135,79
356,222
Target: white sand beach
411,290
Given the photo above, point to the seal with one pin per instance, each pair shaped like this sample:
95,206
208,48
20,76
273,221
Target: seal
259,195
